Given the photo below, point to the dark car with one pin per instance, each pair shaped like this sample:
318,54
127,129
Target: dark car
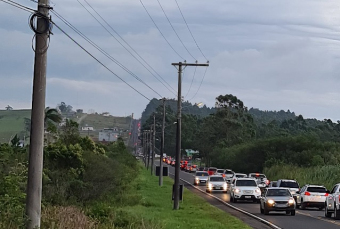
277,199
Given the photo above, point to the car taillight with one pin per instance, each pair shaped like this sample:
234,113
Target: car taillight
267,182
307,193
326,194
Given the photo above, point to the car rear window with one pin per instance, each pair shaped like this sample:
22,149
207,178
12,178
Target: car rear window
317,189
202,174
220,170
216,179
289,184
241,175
211,169
228,172
246,183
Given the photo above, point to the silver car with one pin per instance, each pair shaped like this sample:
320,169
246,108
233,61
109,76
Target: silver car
201,177
216,183
277,199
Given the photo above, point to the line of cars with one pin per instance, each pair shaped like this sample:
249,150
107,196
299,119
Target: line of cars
281,195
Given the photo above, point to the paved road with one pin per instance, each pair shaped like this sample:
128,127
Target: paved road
311,218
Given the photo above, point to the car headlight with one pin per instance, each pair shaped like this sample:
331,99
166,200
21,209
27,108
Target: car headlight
225,186
291,201
197,179
210,186
270,201
258,191
237,190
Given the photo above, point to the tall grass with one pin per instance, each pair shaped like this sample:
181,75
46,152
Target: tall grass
321,175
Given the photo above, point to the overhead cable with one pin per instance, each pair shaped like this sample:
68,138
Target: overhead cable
191,82
160,31
99,61
173,28
206,69
101,50
129,47
190,31
19,6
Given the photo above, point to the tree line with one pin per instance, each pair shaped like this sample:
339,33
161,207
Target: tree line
248,140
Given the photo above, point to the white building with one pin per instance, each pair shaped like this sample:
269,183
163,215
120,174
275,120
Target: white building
87,128
108,135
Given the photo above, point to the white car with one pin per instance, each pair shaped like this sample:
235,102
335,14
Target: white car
312,196
228,174
219,172
260,178
216,183
237,175
332,204
245,189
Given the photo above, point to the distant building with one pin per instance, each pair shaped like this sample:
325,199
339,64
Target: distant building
106,114
87,128
108,135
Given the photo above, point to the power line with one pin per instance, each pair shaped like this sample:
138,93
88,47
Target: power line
161,31
129,47
200,84
191,82
190,31
175,30
101,50
19,6
99,61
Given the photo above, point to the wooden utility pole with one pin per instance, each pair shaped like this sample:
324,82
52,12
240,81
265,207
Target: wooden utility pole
162,147
35,161
178,132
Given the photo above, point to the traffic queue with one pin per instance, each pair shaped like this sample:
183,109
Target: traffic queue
282,195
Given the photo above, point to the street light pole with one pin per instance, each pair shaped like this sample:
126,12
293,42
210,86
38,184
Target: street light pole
178,135
162,147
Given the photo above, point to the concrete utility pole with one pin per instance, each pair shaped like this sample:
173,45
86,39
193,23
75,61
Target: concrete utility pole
153,143
36,149
145,148
178,134
150,142
162,147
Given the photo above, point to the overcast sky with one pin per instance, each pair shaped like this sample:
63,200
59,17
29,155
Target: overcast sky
272,55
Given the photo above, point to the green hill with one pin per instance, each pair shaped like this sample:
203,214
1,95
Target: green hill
13,122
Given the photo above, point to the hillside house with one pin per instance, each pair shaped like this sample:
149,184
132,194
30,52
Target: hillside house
108,135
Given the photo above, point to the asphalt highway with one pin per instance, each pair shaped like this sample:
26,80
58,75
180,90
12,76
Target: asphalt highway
310,218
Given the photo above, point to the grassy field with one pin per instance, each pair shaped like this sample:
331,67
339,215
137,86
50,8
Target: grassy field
194,212
323,175
12,122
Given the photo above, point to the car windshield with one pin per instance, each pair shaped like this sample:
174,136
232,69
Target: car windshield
317,189
289,184
258,175
246,183
202,174
220,170
216,179
212,169
278,192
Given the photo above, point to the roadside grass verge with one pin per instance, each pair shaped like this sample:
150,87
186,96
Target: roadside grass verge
156,206
319,175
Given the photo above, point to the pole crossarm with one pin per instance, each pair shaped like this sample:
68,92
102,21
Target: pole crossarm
186,64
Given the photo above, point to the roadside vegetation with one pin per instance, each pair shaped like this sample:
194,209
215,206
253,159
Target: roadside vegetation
231,136
83,182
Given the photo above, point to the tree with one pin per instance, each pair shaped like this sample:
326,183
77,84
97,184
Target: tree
69,133
64,108
52,115
9,108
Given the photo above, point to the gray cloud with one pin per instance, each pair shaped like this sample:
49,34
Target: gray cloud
271,54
